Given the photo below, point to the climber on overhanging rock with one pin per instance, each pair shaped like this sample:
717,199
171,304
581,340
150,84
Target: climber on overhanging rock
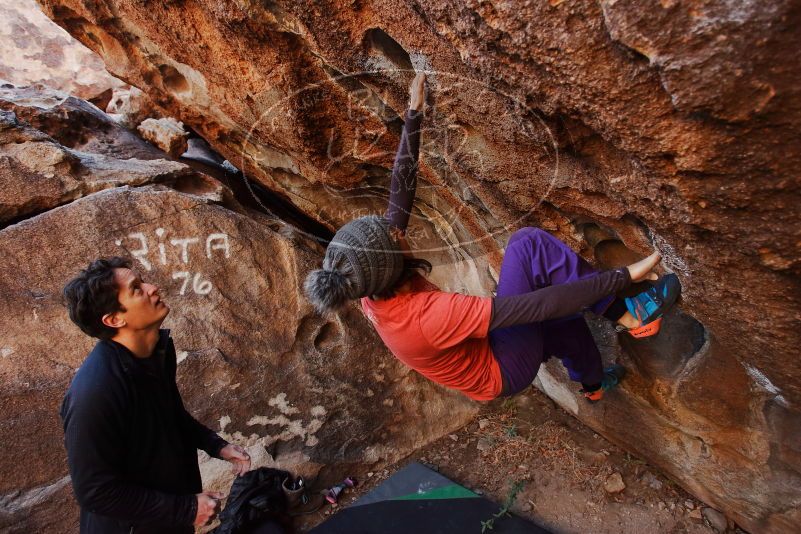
484,347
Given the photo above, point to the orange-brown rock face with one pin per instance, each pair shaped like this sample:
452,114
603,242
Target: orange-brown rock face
673,125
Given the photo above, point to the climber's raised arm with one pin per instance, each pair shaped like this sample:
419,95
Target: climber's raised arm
404,172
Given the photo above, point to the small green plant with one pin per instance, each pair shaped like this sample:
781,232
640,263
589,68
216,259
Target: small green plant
511,430
489,524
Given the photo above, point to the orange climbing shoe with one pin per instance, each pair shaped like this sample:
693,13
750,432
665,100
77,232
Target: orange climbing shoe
594,396
646,330
649,306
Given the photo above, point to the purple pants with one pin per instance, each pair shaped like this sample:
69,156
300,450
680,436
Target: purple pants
535,259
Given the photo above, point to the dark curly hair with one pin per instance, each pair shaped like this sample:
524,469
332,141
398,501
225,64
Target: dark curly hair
92,294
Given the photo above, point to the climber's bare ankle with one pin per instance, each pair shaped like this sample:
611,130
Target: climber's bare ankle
628,320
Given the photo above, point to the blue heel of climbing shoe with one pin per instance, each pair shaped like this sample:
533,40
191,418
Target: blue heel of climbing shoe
649,306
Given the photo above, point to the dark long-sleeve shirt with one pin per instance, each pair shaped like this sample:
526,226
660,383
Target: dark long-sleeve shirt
131,444
547,303
403,186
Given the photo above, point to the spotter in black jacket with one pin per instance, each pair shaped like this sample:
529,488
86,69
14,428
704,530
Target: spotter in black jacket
131,445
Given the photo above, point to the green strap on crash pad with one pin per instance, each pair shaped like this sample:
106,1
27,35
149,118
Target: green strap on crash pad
453,491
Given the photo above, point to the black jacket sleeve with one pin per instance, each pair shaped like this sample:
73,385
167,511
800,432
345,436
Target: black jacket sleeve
200,436
404,173
556,301
95,437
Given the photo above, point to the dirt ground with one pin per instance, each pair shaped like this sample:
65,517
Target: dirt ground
560,467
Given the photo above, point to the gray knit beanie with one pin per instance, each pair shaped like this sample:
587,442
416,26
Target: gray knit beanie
362,260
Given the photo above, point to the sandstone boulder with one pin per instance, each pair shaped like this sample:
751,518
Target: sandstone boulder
673,126
168,134
38,173
129,106
75,123
33,49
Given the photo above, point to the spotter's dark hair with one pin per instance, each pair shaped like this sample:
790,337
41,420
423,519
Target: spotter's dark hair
93,294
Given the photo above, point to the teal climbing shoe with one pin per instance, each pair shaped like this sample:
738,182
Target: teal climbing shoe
612,377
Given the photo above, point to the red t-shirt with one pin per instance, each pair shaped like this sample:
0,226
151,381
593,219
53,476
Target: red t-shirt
442,336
